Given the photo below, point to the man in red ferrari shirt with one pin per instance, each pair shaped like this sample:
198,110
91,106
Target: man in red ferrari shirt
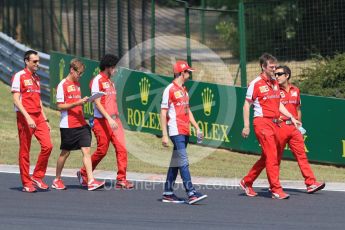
75,133
289,134
264,95
31,120
107,124
176,118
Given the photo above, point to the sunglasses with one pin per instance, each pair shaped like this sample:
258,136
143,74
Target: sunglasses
35,61
279,74
78,72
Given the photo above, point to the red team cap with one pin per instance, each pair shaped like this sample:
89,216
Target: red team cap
181,66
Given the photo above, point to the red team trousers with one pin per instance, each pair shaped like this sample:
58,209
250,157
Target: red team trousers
290,135
266,132
42,134
104,135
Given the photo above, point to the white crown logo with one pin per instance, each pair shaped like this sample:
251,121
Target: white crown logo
207,97
96,71
144,87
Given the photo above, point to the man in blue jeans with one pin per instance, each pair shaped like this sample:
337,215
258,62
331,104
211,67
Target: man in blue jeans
176,118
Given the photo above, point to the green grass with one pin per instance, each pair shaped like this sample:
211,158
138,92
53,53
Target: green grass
146,153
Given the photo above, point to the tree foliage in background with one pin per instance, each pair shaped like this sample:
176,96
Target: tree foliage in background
325,78
228,33
289,29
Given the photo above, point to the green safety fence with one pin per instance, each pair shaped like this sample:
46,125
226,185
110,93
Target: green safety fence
217,109
295,31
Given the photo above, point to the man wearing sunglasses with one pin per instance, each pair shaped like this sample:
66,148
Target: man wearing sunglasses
75,132
289,134
175,121
263,94
31,120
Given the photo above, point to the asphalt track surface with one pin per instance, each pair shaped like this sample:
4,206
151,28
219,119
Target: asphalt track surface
141,208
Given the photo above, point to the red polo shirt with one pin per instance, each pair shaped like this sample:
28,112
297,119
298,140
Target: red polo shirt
67,93
290,99
265,96
102,83
28,85
176,101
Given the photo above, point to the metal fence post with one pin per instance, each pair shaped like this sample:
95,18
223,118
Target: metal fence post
81,27
8,17
103,28
15,21
52,30
186,10
3,16
189,55
90,31
202,21
99,27
60,23
42,28
75,27
129,31
119,29
153,32
242,33
143,32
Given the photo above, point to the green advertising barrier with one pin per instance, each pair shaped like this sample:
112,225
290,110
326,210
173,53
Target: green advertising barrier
216,108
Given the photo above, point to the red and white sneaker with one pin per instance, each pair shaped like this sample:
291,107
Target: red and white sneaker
315,187
124,184
280,195
39,183
58,184
247,189
94,184
29,189
82,180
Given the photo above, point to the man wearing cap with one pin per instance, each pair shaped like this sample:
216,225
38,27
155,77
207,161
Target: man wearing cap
263,94
175,121
107,124
31,121
290,98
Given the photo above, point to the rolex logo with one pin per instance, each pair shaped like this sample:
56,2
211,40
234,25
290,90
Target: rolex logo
144,87
61,68
207,97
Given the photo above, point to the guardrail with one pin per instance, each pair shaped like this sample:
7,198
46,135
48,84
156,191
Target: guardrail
11,61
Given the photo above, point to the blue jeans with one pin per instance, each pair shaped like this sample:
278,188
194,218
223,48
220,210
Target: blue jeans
179,161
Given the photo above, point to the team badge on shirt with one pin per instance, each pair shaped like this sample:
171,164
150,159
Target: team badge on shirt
28,82
105,85
263,89
282,94
293,93
178,94
70,88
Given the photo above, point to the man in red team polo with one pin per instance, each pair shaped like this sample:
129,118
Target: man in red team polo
175,121
264,95
75,133
107,124
290,98
31,120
